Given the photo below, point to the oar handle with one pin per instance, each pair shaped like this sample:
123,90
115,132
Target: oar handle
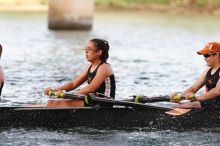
52,93
65,95
56,94
179,97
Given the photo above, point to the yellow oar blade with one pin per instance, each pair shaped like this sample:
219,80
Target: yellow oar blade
177,111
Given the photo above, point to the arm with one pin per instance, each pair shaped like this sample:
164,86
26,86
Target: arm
197,85
103,72
192,89
206,96
75,82
210,94
72,84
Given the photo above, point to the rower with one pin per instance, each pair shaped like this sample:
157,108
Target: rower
98,73
1,73
209,78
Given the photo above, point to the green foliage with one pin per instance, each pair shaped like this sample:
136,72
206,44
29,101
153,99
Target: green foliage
129,2
205,3
197,3
201,3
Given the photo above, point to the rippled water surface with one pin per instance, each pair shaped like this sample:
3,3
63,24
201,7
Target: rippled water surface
150,54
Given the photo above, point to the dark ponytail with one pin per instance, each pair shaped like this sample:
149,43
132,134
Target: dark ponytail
103,45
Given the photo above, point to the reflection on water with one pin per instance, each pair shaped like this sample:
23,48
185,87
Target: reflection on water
150,55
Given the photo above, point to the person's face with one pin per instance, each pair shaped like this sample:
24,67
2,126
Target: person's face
210,58
92,54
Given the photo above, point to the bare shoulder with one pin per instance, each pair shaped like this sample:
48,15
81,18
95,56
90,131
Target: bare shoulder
105,67
206,70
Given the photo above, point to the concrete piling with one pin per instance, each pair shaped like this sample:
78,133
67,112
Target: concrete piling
70,14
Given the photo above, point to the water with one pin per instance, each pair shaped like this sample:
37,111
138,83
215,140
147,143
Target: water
90,137
150,54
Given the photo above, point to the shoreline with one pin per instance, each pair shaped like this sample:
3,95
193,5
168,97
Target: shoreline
172,10
23,8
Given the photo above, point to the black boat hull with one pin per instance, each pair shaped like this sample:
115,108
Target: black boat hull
117,117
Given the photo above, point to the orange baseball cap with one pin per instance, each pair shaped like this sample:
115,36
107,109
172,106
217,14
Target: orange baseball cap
211,47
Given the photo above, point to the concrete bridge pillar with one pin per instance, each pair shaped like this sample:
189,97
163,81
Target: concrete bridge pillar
70,14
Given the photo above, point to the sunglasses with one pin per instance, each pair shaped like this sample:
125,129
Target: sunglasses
208,55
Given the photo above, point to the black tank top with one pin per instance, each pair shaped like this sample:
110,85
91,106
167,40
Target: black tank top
107,87
210,83
211,80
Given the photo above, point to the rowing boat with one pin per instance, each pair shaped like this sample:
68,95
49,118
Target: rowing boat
123,114
116,117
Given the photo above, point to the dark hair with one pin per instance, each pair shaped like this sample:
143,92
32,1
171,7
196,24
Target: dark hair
103,45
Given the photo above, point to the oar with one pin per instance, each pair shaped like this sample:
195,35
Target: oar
112,101
66,95
178,111
147,99
91,98
171,111
141,98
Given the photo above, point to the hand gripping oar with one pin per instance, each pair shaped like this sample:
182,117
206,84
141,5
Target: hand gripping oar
66,95
92,98
176,98
173,112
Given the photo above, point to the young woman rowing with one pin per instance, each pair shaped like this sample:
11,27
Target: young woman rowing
98,73
209,78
